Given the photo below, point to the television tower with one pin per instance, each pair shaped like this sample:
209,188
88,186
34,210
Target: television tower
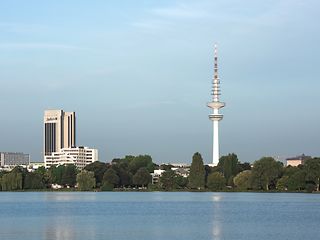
215,104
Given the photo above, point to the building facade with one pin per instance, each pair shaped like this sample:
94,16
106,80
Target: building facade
298,160
9,159
79,156
155,176
59,131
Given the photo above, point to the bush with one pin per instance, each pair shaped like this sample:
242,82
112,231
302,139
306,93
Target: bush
107,186
216,181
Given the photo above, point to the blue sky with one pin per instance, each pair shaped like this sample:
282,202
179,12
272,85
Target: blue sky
138,75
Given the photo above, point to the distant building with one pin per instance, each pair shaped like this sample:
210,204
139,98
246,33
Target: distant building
59,131
156,176
10,159
35,165
79,156
296,161
180,165
183,172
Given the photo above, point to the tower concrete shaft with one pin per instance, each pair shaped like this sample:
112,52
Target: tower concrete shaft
215,105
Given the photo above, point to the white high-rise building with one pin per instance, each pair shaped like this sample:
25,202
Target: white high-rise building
215,104
60,141
59,130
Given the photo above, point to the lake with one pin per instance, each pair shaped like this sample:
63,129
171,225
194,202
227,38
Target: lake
159,215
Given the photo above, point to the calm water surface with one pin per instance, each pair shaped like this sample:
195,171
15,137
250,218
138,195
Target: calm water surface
196,216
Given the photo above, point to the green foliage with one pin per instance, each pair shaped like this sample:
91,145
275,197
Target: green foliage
86,180
312,169
34,180
99,169
106,186
166,167
62,174
141,161
168,180
243,166
110,176
310,187
209,170
121,169
290,170
216,181
142,177
181,182
55,174
69,175
154,187
243,180
265,173
125,178
41,170
282,183
229,165
197,172
128,166
297,180
11,181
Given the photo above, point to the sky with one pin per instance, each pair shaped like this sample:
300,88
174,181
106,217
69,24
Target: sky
138,75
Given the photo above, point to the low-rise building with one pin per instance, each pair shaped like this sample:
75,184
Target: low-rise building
35,165
156,175
12,159
79,156
296,161
184,172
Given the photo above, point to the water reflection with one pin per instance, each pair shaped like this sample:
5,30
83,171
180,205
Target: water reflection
70,196
67,228
217,216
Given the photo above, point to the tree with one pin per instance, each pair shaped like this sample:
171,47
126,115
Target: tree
141,161
243,166
86,180
282,184
11,181
166,167
99,169
121,168
290,170
181,182
142,177
312,168
69,175
197,172
106,186
216,181
243,180
111,177
55,174
229,165
265,173
34,180
297,180
125,178
168,180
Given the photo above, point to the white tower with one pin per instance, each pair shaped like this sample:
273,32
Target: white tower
215,104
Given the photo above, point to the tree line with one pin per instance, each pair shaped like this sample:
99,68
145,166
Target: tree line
133,172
